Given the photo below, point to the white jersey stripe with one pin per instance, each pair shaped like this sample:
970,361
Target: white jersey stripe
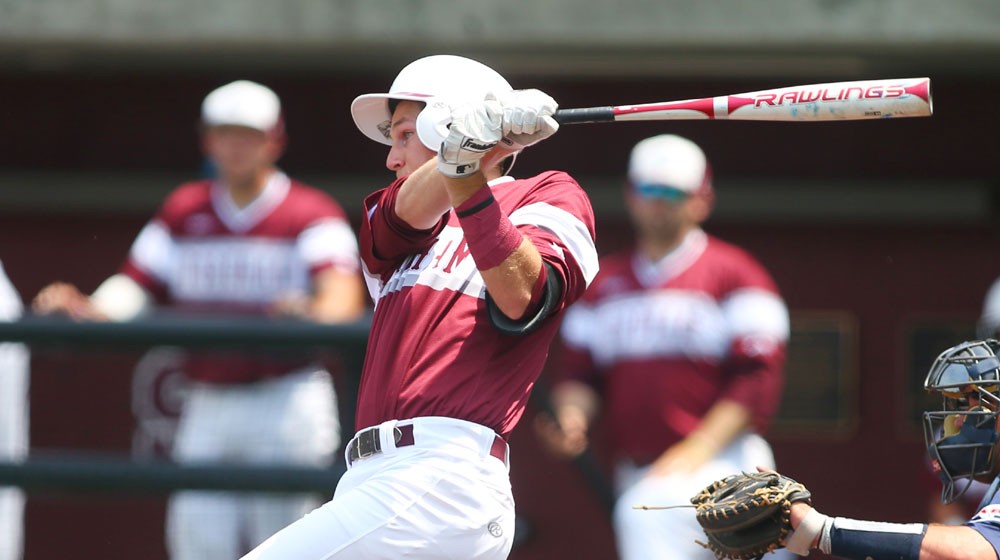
153,250
752,311
440,269
567,227
329,240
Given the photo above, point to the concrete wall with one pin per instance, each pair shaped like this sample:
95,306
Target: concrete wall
675,37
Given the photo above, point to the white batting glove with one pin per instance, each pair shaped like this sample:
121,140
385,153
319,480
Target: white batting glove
475,130
527,117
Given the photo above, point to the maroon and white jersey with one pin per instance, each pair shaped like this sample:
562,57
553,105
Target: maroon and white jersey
664,341
202,253
432,349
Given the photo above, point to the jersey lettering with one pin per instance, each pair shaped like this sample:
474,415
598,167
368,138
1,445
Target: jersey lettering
447,265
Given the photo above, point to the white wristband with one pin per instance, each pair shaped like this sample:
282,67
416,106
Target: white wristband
801,539
456,170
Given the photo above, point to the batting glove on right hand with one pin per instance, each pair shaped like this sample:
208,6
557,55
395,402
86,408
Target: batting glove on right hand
475,129
527,117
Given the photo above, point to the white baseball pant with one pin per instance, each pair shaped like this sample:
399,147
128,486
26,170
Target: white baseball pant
443,497
288,420
14,380
13,443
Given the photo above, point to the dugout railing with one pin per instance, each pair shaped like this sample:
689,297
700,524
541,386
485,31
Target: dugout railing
76,470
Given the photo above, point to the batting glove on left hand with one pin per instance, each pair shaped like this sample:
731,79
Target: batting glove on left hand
475,130
527,117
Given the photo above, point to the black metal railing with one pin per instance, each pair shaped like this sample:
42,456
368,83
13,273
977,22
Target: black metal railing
82,471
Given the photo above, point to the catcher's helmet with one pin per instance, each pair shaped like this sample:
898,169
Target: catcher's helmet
961,438
453,79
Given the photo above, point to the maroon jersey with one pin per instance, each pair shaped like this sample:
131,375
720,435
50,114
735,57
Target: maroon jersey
664,341
432,349
202,253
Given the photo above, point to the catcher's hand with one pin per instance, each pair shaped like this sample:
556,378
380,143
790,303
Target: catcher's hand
747,515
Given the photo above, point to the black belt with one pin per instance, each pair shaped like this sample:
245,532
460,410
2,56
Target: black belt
368,443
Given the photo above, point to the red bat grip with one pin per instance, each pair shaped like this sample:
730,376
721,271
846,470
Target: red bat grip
584,115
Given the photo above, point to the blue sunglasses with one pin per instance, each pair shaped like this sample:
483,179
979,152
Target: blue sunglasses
665,192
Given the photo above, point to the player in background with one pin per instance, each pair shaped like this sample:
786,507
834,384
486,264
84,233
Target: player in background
988,325
250,242
682,341
470,270
962,443
14,359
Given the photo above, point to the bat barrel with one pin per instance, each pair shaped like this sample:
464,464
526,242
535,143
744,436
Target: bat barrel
865,99
584,115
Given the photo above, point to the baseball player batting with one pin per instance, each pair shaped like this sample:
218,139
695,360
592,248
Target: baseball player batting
470,270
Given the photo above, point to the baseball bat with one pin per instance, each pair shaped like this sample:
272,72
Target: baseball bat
845,101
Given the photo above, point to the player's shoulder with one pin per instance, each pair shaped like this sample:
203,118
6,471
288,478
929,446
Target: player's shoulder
729,252
188,197
736,265
312,200
556,188
553,180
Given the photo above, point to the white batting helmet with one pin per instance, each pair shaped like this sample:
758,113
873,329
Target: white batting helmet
453,79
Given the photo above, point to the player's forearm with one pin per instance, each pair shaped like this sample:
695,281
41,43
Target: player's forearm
942,542
512,283
854,539
423,197
576,397
722,423
508,262
339,298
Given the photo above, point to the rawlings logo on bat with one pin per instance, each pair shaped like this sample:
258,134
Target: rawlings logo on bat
795,96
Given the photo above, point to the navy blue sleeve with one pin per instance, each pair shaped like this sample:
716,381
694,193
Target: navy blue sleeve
987,520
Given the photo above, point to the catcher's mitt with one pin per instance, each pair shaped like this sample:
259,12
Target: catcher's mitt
747,515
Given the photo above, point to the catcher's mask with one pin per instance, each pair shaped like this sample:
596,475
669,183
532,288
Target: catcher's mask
961,439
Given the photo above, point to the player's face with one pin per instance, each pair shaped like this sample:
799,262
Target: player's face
971,401
240,153
662,218
407,152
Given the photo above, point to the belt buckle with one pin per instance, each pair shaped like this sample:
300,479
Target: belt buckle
367,444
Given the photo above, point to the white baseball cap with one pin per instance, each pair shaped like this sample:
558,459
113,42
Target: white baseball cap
242,103
443,77
668,161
